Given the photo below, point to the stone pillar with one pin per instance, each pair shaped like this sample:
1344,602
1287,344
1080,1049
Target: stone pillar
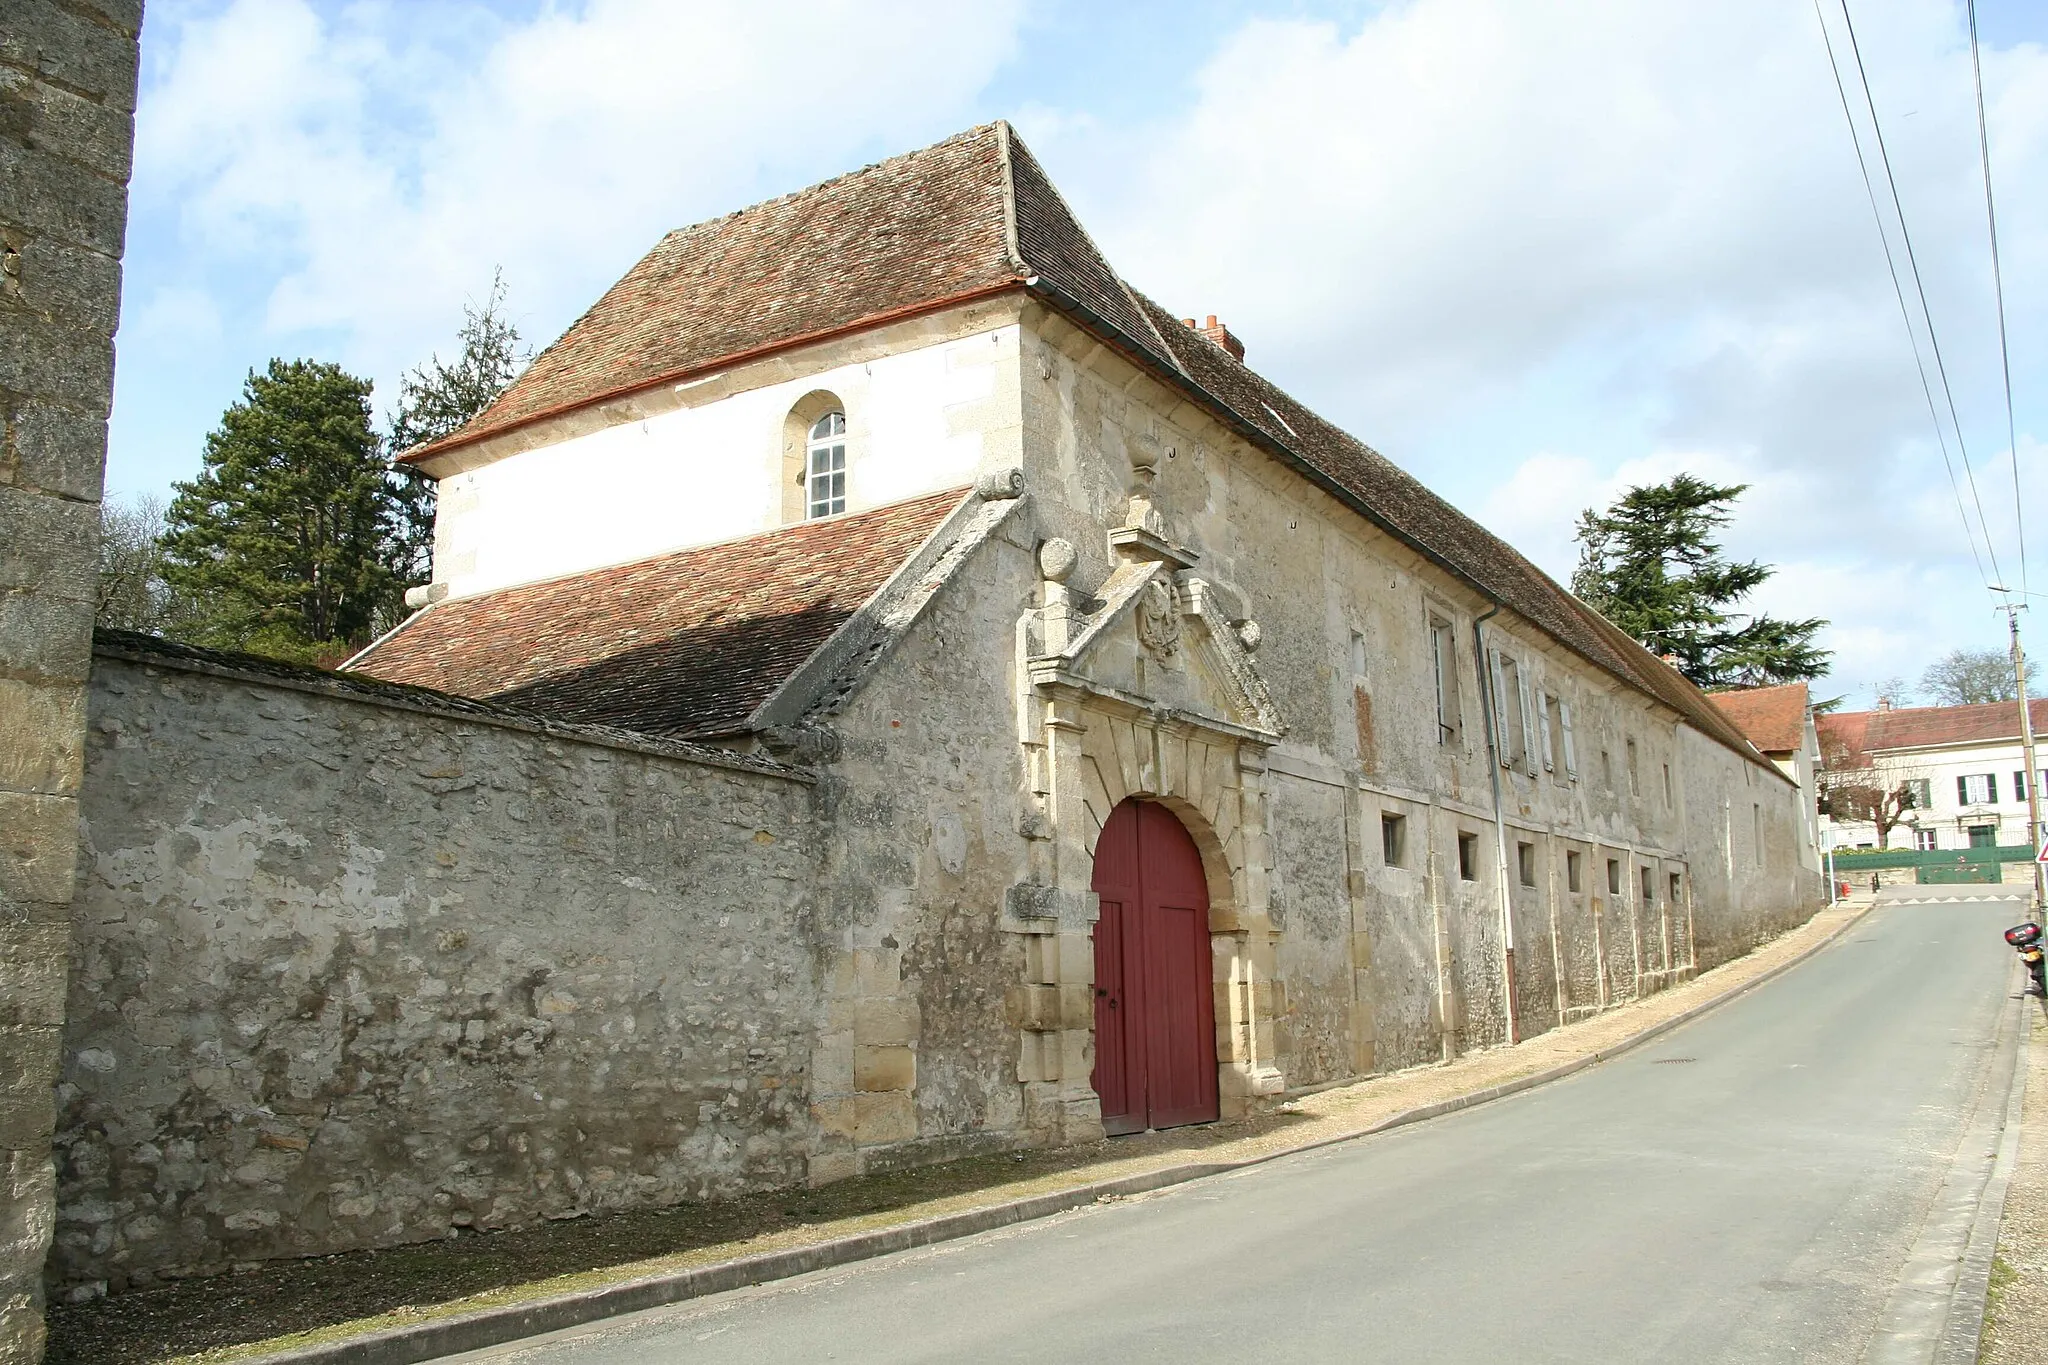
67,99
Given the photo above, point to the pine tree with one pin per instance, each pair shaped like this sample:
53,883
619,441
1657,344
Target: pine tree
436,400
285,541
1650,565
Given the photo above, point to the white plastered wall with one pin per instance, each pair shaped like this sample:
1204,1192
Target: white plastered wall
709,471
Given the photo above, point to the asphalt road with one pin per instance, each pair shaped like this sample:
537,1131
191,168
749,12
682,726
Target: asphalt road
1746,1188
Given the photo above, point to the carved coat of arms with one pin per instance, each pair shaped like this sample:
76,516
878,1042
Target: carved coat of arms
1158,618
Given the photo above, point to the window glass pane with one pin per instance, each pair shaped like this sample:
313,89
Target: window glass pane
839,485
831,424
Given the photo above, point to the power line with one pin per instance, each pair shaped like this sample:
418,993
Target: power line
1998,291
1899,291
1919,287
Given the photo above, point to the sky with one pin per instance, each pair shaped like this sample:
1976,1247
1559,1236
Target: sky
1535,253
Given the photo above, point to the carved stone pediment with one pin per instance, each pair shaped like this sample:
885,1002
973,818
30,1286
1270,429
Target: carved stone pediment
1160,639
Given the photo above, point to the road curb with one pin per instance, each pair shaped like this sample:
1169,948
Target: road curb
1963,1338
409,1344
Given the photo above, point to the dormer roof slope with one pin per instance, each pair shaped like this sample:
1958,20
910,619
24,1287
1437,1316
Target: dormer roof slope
684,645
1774,718
974,215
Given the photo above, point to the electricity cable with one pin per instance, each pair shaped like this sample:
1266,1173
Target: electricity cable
1998,291
1899,292
1920,288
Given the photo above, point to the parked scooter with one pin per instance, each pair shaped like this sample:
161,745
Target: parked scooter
2026,939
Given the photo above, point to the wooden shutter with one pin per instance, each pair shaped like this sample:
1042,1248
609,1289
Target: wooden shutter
1500,710
1571,757
1543,724
1528,721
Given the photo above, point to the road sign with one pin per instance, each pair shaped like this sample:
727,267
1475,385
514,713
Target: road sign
2042,856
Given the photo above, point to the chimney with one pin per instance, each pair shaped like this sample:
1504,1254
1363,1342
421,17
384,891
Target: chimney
1884,703
1221,335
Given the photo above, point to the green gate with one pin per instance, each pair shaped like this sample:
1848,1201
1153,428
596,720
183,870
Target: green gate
1957,873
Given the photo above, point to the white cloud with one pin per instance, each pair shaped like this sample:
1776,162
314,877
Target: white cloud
375,165
1536,252
1541,252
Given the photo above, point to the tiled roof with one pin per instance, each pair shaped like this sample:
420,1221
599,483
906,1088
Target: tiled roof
1774,718
977,213
893,237
1921,727
686,644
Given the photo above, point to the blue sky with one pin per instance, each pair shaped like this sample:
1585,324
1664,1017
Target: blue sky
1533,253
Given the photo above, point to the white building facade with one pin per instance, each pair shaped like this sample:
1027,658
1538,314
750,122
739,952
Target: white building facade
1965,767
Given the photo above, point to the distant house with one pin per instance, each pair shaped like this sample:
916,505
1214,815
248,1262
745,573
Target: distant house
1779,722
1964,765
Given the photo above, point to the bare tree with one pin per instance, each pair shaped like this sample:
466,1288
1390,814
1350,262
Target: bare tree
1859,786
132,593
1969,676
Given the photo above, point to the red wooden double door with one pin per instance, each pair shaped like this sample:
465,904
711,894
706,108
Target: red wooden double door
1155,1012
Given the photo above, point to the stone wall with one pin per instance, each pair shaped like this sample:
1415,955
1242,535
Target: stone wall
67,92
349,971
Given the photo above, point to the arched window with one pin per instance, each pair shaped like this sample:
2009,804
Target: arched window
825,466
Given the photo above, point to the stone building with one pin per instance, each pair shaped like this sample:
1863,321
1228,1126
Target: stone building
1779,722
889,690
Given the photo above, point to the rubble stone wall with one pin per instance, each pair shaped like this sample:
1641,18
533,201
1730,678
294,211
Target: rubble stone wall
348,974
67,95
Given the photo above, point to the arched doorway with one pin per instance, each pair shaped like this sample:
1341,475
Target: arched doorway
1155,1012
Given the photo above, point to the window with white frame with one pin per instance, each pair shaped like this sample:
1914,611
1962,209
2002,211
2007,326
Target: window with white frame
1977,789
1926,840
1920,793
825,466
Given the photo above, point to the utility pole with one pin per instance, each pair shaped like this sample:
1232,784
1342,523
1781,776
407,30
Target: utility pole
2019,673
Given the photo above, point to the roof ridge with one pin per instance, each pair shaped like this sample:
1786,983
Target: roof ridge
842,178
1004,137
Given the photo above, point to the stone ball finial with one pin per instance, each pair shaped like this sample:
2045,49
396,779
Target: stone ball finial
1249,635
1056,560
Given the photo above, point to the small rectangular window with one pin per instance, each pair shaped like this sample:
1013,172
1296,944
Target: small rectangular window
1614,876
1919,793
1977,789
1926,840
1572,876
1649,879
1677,887
1443,651
1394,839
1606,771
1667,786
1358,654
1756,832
1635,781
1525,863
1468,857
2019,786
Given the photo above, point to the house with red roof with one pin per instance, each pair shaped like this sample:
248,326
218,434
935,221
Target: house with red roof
1964,766
888,690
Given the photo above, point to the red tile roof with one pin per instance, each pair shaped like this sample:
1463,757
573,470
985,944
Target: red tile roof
684,645
1921,727
975,214
1774,718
